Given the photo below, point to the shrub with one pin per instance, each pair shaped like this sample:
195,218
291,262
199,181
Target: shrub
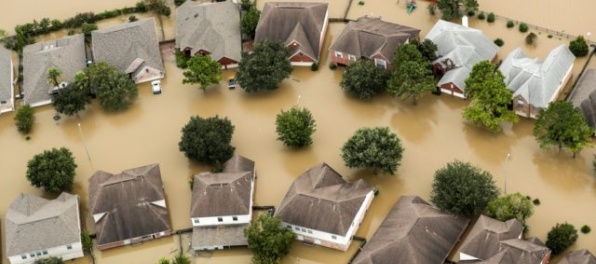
179,2
531,38
499,42
586,229
579,47
536,201
523,27
491,17
314,67
132,18
471,13
481,16
561,237
510,24
140,7
166,11
550,36
295,127
181,60
24,119
332,67
361,3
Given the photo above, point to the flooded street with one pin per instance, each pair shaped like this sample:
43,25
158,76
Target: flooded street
432,133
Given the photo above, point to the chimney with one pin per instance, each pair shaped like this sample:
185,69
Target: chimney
464,21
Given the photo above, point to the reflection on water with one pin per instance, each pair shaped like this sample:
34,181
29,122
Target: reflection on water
432,133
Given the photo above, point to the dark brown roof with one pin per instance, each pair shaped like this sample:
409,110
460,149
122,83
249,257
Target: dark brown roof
583,96
368,36
320,199
582,256
413,232
483,241
129,204
288,22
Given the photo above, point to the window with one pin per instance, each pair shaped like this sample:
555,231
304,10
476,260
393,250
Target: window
32,255
303,230
45,252
351,57
196,221
310,231
520,103
381,63
69,247
38,253
23,256
338,54
297,228
235,218
333,237
219,219
289,226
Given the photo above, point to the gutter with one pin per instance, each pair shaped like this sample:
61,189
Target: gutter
362,244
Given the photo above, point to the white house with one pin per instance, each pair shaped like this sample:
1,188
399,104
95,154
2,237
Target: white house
222,205
37,228
323,209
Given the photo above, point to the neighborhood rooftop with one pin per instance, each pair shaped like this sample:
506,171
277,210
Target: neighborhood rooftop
6,78
582,256
483,240
583,96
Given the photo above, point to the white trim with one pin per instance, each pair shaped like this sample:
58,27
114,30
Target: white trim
339,54
160,203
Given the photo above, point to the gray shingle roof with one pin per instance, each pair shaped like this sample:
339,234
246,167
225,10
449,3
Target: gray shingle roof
34,223
368,36
6,72
483,241
525,251
413,232
67,54
129,203
213,27
464,46
293,21
130,47
222,235
535,81
583,96
320,199
582,256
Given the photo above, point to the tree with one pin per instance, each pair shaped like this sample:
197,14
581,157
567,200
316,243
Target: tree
179,258
264,68
50,260
562,124
481,71
364,79
268,239
115,91
376,148
202,70
412,78
428,49
207,140
249,21
579,46
510,206
490,104
295,127
54,76
53,170
452,9
74,98
405,53
561,237
462,189
24,119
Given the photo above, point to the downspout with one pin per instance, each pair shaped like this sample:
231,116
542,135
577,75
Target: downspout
362,243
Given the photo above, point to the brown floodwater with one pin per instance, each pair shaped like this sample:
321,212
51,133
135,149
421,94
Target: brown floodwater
432,133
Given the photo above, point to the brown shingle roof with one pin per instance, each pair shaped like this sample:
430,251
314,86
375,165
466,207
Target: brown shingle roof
582,256
288,22
368,36
413,232
129,204
583,96
483,241
525,251
321,200
6,72
222,235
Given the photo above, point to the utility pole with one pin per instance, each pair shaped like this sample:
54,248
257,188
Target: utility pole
505,174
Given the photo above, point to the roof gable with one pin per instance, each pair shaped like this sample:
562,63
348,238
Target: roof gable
582,256
483,240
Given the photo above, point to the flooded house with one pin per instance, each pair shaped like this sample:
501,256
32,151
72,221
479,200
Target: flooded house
459,48
132,48
128,207
221,206
535,83
66,54
582,256
583,96
323,209
371,38
413,232
211,29
6,81
38,228
300,26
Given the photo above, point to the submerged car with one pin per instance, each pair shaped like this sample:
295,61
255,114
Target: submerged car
156,87
231,83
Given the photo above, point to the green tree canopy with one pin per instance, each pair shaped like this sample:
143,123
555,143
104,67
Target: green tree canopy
562,124
428,49
462,189
268,239
376,148
579,46
50,260
561,237
74,98
53,170
207,140
413,77
264,68
54,76
295,127
510,206
24,119
115,91
249,21
480,73
405,53
202,70
452,9
363,79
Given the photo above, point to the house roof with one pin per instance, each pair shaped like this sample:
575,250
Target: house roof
129,204
463,46
413,232
530,251
583,96
289,22
34,223
320,199
582,256
5,74
536,81
213,27
67,54
368,36
483,240
130,47
221,235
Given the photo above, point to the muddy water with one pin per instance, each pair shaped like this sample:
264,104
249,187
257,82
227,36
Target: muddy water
432,133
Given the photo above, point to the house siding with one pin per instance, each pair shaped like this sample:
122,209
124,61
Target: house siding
227,63
299,59
452,89
135,240
226,220
60,251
